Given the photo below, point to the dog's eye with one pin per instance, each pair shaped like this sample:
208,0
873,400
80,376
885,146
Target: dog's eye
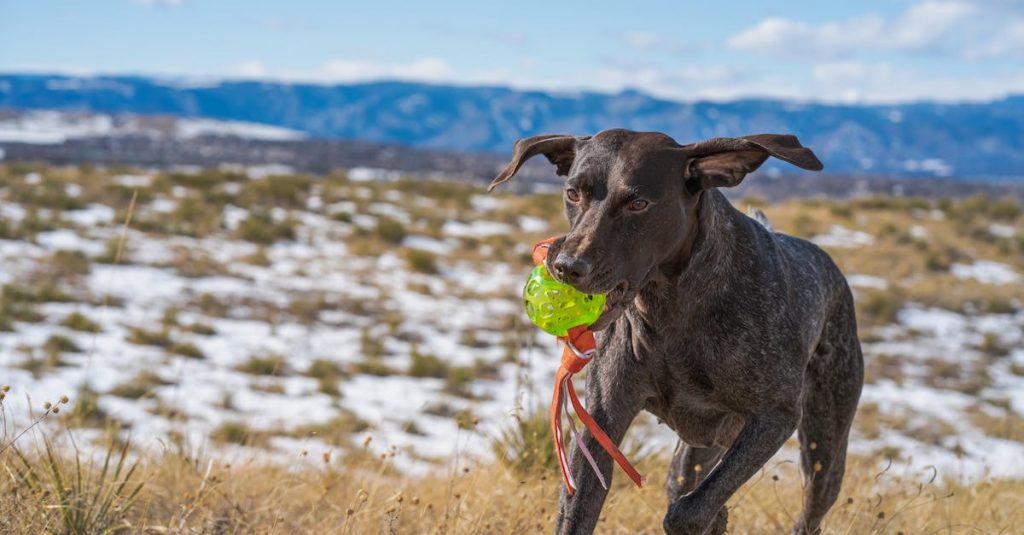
572,195
638,204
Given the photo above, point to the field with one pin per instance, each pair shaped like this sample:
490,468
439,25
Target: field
288,353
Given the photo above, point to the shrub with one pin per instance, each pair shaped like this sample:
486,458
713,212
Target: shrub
142,385
187,349
374,366
67,265
390,230
426,365
79,322
235,432
79,496
421,261
458,380
879,307
261,228
140,336
322,368
1005,209
87,410
525,445
57,343
265,365
200,328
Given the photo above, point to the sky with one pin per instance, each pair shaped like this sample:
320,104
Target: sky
857,51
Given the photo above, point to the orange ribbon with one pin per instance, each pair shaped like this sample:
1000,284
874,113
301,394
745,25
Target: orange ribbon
580,348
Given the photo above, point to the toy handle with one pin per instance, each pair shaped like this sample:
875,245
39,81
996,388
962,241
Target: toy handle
540,250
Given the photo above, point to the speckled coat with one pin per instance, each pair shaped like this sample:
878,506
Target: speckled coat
731,334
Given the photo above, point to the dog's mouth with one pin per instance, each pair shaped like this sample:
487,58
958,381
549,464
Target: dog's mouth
616,301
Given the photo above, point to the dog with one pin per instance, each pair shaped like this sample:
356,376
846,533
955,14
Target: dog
731,334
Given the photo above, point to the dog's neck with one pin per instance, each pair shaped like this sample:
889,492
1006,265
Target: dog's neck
696,270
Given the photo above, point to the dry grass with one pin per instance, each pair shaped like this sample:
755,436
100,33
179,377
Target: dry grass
183,493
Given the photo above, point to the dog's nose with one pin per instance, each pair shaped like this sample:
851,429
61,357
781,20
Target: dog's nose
571,270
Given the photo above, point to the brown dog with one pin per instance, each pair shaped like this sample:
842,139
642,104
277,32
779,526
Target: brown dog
733,335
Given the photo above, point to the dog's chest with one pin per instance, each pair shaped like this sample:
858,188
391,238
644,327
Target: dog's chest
685,401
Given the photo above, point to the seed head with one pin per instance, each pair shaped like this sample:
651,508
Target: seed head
2,395
64,399
5,388
47,405
55,409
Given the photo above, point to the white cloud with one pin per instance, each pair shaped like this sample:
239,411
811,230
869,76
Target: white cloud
922,27
250,69
1005,42
348,70
883,82
652,42
159,3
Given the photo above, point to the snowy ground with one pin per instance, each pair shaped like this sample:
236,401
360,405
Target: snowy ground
331,294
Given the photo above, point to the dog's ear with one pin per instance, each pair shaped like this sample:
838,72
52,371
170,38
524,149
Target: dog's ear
559,149
723,162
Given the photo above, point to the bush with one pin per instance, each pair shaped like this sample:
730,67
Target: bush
458,380
57,343
421,261
140,336
526,445
425,365
322,368
1005,209
79,496
261,228
87,411
141,385
235,432
66,265
265,365
187,349
79,322
390,230
879,307
374,366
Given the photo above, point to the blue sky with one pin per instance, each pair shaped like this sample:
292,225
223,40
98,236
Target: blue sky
865,51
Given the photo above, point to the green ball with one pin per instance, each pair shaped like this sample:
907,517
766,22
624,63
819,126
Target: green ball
557,307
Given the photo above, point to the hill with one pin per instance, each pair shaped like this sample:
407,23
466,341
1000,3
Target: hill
968,140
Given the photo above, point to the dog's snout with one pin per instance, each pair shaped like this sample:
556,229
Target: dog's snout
571,269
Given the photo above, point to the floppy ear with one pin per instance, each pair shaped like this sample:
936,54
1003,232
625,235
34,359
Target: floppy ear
723,162
559,149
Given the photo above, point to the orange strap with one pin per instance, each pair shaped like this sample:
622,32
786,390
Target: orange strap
582,339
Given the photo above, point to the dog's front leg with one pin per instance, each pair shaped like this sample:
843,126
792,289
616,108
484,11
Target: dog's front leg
761,437
614,399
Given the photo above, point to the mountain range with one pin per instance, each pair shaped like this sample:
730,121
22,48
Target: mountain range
953,140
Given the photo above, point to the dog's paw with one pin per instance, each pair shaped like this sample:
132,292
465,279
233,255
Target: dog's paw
720,524
683,520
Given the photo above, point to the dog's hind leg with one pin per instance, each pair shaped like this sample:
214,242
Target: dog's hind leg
833,382
689,466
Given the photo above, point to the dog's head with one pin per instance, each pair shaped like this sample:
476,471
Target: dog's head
629,196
